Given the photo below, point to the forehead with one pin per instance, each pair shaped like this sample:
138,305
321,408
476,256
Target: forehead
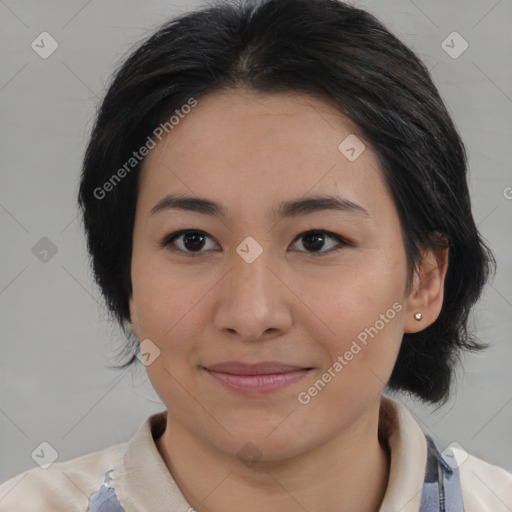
238,145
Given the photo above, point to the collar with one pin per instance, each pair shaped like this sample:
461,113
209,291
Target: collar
408,447
145,478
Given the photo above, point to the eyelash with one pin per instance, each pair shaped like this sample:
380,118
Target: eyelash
169,239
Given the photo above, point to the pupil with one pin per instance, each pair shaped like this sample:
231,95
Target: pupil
197,240
315,236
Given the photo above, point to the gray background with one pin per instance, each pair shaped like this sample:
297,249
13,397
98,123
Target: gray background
56,342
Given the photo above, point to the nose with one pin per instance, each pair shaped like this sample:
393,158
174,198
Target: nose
254,303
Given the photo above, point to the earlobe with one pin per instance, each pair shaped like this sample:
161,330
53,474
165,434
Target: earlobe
426,297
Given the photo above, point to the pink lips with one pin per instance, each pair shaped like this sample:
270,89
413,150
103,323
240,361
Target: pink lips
256,378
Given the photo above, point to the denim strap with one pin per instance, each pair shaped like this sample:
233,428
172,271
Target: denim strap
441,490
105,500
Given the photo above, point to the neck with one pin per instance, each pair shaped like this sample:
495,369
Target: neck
348,472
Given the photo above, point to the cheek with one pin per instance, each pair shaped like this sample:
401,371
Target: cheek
165,297
363,322
168,301
361,312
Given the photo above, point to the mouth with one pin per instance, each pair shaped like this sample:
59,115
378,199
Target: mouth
254,379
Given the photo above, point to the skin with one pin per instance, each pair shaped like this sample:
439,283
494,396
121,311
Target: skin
249,152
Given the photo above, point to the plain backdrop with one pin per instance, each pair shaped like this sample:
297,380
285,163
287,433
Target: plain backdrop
56,342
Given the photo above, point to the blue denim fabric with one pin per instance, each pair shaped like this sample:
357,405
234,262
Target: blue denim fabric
105,500
441,491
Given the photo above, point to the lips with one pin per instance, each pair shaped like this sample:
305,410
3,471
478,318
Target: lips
265,368
256,378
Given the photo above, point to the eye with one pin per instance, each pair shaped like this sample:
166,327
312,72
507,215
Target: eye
314,240
191,242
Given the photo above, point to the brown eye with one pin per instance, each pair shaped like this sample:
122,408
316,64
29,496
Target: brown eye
316,240
189,242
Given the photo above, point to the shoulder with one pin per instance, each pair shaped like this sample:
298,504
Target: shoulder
64,486
485,487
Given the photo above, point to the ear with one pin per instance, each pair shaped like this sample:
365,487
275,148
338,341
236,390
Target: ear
427,293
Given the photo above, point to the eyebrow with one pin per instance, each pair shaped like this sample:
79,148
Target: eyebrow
286,208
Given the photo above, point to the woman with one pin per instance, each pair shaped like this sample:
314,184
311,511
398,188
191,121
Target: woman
276,206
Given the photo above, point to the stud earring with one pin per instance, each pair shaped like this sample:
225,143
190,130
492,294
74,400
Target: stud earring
418,316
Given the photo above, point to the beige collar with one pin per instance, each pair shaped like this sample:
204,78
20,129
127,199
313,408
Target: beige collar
145,478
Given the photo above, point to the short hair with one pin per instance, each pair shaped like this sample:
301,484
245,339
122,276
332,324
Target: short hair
335,52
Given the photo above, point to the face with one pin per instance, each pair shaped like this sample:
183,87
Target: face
269,322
